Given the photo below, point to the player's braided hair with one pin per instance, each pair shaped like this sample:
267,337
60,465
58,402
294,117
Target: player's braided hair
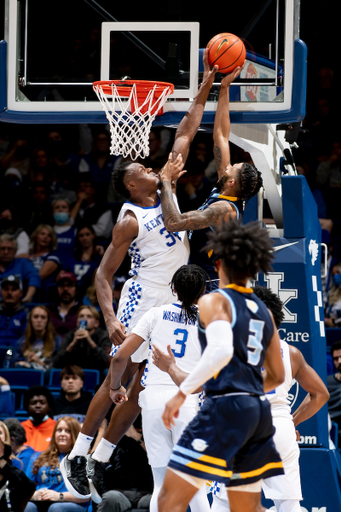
272,302
117,179
243,250
250,181
189,282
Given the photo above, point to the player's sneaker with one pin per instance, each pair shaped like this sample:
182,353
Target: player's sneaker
95,471
74,475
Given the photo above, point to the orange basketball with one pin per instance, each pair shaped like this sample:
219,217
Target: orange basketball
226,51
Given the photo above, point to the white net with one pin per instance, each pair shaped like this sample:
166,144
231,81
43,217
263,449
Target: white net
130,122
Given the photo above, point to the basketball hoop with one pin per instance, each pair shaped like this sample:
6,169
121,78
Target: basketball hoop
131,107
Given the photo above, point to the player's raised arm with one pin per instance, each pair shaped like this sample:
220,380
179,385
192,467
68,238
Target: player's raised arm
221,130
309,380
190,123
123,234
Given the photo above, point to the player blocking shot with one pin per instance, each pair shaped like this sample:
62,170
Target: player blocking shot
174,325
231,438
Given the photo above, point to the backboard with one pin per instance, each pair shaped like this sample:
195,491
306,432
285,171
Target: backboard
51,55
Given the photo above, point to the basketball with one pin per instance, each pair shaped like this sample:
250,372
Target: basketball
226,51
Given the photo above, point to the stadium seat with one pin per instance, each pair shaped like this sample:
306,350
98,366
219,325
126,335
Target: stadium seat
22,379
91,379
333,334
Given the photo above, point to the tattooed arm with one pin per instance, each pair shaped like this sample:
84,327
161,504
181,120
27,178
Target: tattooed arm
218,212
221,130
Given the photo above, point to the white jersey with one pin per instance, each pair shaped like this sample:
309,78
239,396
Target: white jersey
163,327
278,398
155,253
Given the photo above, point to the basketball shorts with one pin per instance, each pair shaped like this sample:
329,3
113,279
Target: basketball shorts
136,299
287,486
152,401
230,440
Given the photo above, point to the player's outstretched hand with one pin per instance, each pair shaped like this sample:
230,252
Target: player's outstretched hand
117,333
228,79
172,409
209,74
161,360
172,170
119,396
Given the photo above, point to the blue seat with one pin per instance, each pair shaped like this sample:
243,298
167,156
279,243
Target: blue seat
23,377
333,334
91,379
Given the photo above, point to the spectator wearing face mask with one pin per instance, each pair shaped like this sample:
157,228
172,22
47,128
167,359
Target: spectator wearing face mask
64,228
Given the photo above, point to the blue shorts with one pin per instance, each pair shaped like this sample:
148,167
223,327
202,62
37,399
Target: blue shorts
230,440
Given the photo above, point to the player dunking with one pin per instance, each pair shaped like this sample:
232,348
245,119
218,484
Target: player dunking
236,185
156,254
174,324
231,438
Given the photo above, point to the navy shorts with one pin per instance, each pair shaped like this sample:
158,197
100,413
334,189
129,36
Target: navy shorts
230,441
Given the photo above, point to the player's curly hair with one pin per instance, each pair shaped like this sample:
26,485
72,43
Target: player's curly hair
250,181
189,283
243,249
117,179
272,302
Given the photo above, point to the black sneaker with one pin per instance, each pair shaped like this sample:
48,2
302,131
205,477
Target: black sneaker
74,475
95,472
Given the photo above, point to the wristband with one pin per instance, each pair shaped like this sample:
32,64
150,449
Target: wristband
116,388
61,496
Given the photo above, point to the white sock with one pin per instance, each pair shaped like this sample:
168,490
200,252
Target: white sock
81,446
103,451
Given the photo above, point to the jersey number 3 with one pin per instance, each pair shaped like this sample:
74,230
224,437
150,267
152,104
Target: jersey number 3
254,342
181,341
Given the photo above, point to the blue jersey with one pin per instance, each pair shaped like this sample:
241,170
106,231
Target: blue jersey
199,238
252,328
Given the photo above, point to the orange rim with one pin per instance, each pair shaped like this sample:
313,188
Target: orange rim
124,87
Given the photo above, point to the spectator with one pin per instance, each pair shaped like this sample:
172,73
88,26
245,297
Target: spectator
13,315
15,488
22,268
63,226
39,207
40,343
86,259
9,224
128,478
100,164
72,400
18,439
90,212
86,347
64,311
40,169
6,404
333,309
38,402
44,471
13,190
43,254
18,155
334,387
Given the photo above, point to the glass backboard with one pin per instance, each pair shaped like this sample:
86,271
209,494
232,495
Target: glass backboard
50,56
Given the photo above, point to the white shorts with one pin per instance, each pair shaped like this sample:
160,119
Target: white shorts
136,299
159,440
287,486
